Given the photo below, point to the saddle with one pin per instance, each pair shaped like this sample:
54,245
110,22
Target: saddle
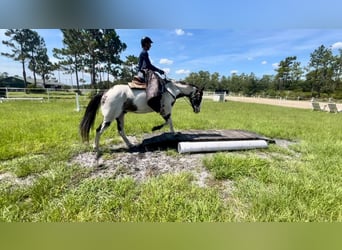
154,88
136,83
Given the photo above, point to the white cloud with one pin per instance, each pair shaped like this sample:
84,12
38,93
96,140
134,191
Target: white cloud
264,62
165,61
337,45
182,71
275,65
234,71
179,32
166,70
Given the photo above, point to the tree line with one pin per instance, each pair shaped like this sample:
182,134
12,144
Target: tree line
97,52
93,51
322,76
27,46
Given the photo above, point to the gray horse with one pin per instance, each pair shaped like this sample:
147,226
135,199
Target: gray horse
121,99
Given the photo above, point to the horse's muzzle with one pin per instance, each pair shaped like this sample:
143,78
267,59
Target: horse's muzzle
197,109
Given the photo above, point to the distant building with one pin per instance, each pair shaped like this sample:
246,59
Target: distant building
12,82
18,82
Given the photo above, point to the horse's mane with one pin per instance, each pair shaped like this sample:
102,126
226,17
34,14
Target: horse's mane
185,83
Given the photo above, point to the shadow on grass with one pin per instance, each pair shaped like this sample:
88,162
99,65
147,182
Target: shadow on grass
167,141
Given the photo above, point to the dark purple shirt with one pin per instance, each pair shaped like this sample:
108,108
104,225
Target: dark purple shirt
145,63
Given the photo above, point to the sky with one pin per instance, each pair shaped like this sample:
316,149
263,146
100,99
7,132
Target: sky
236,36
225,51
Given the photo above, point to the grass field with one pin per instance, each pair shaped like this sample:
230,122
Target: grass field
38,182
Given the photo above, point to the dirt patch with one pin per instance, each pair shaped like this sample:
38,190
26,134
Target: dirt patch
142,164
12,179
278,102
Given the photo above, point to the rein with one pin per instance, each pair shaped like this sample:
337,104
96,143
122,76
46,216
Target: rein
177,90
187,101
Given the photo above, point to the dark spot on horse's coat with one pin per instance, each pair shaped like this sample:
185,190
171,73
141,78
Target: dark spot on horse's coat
105,125
129,106
103,100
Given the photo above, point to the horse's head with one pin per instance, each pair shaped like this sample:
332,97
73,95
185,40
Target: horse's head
196,99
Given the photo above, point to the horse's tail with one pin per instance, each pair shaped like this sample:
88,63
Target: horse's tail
89,116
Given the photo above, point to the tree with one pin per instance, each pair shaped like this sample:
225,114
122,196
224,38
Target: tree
36,49
19,44
337,69
250,86
111,47
43,65
3,75
92,41
234,84
93,50
132,63
321,70
71,56
266,83
214,82
200,79
224,84
289,73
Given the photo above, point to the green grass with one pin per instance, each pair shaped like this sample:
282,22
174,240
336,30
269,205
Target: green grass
302,183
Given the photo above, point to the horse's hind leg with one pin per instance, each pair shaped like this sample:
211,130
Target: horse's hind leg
121,129
99,132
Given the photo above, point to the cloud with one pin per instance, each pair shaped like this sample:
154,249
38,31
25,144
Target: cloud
234,71
337,45
264,62
182,71
181,32
165,61
275,65
167,70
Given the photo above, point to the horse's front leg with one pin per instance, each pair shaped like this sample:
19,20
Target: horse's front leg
121,129
168,120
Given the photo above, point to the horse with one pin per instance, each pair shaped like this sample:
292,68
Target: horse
120,99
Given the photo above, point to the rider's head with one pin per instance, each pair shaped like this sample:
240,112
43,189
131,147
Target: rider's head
146,42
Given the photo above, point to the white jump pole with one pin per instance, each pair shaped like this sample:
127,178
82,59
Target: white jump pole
77,103
212,146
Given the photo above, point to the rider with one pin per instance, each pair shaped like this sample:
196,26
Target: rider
144,60
146,74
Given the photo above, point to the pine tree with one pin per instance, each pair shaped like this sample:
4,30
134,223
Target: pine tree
20,46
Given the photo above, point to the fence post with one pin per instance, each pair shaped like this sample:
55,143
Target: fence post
77,103
48,94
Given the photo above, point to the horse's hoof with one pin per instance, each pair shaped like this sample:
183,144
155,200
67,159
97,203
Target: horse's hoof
98,155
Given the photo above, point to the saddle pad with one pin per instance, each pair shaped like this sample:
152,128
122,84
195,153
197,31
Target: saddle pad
137,85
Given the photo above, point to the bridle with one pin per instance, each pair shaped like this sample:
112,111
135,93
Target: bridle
191,96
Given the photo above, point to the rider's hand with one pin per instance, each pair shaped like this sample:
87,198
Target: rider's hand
161,72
